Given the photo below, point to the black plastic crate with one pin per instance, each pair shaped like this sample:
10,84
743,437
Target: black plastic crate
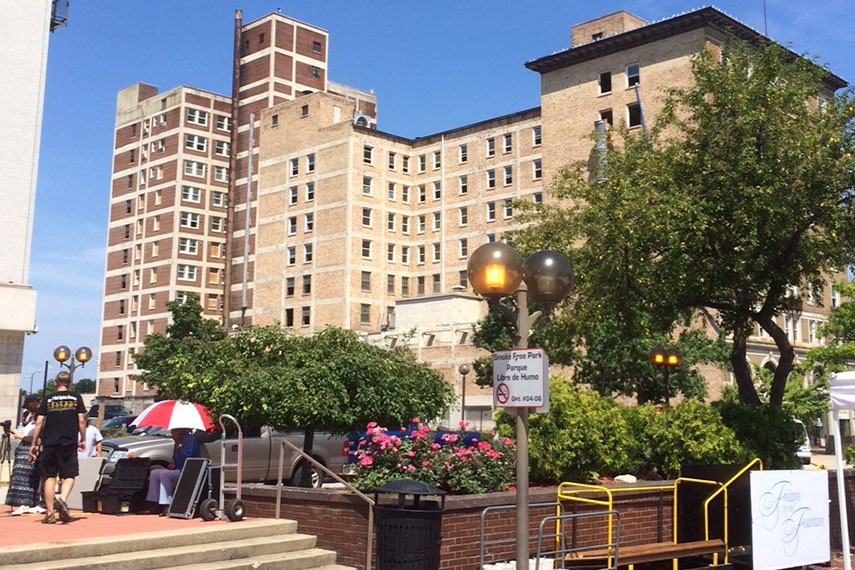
118,503
130,474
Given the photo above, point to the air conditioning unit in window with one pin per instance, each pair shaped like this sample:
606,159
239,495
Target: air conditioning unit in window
361,120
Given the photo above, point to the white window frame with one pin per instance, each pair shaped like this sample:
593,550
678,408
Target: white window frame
190,220
188,246
195,142
491,211
218,224
222,148
191,194
463,217
633,75
309,222
186,272
293,195
194,168
536,135
507,143
221,173
218,199
197,117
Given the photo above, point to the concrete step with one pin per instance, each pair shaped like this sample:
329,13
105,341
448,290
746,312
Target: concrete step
170,557
316,559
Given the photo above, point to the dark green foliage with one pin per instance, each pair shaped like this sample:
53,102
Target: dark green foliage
84,386
766,432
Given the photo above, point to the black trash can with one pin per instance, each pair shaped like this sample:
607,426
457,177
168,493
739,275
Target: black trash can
409,530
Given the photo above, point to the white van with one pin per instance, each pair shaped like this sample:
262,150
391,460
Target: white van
804,449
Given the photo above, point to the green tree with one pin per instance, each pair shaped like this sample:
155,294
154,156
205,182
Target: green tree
84,385
839,334
741,191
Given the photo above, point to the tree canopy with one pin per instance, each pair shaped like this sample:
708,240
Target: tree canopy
265,375
740,195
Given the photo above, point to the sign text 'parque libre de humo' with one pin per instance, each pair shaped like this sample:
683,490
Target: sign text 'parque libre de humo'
520,379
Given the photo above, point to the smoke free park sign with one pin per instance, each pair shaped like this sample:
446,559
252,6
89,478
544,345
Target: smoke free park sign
520,378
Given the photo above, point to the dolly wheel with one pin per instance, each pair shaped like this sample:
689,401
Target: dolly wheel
235,510
208,509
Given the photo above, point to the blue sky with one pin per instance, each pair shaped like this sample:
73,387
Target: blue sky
433,65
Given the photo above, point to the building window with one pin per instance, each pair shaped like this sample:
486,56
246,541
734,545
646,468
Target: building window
315,70
125,256
194,168
364,314
421,224
221,173
190,220
215,250
422,255
218,199
405,224
508,209
463,153
366,185
633,75
197,117
188,246
215,276
305,316
604,82
491,147
222,148
536,135
405,254
491,178
537,171
420,285
509,175
121,306
437,160
405,194
224,123
366,217
289,286
292,225
316,47
507,143
392,160
463,249
633,113
405,286
291,255
437,190
390,284
307,284
310,191
295,166
289,317
292,195
607,116
186,272
422,163
436,283
310,162
196,142
309,222
464,184
274,121
390,222
304,111
308,253
422,194
390,253
491,211
191,194
391,192
464,216
365,281
463,278
367,154
437,252
437,221
132,155
366,249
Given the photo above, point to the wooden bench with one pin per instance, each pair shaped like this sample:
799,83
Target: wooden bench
656,552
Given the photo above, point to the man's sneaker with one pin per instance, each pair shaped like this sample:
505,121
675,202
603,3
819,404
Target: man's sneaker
49,519
62,510
20,510
37,510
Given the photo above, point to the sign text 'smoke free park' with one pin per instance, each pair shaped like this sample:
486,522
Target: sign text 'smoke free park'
520,378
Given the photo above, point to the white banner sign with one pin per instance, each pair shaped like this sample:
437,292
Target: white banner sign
789,519
842,390
519,378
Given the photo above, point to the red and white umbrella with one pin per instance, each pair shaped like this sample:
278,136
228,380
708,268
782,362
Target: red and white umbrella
175,414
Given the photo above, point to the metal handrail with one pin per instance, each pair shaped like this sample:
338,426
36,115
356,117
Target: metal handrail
319,465
559,509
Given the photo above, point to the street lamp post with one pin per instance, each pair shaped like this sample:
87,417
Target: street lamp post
81,356
464,369
31,381
495,271
666,359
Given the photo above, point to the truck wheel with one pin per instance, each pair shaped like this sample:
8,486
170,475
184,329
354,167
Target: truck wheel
235,510
308,476
208,510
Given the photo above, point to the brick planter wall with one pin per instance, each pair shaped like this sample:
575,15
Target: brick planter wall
340,521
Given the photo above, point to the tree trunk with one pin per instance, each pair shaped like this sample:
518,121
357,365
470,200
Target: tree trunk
741,369
787,356
304,477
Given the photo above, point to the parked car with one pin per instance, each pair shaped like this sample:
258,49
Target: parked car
110,411
260,453
123,422
804,449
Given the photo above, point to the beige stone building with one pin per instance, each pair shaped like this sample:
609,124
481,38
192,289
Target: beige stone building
353,227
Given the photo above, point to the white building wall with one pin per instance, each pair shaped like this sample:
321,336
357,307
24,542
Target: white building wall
23,61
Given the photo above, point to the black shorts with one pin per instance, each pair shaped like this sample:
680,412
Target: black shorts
59,459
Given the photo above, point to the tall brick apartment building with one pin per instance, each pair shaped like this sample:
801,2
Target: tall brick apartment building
357,228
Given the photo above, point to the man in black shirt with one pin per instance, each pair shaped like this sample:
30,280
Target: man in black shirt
59,420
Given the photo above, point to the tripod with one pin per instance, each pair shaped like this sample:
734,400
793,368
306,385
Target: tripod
6,452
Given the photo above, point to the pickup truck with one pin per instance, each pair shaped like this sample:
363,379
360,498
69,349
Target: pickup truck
260,453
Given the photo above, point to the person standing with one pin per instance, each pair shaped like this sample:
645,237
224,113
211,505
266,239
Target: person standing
92,441
24,484
60,418
162,482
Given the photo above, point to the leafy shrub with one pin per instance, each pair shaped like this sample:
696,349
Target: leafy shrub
449,465
690,433
766,432
582,436
849,454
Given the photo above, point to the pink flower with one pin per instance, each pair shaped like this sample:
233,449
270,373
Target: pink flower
425,463
463,424
507,441
416,421
366,460
372,425
411,468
